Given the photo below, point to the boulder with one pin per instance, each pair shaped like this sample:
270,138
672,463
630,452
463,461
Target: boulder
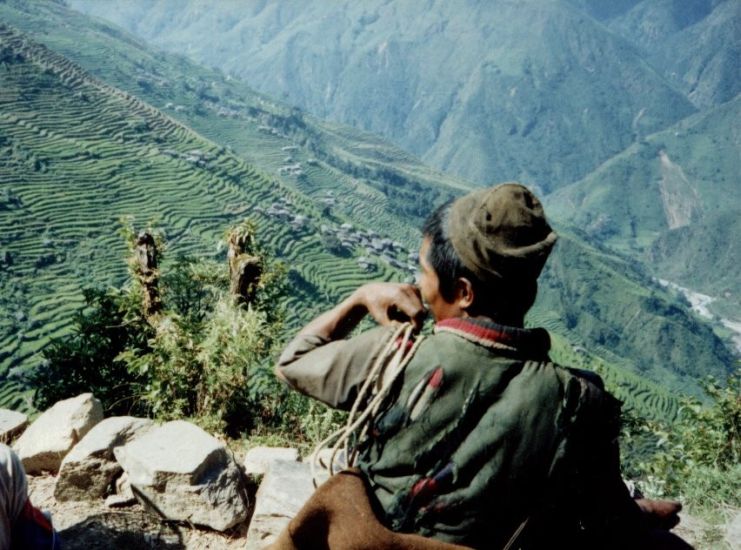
11,424
325,457
733,532
48,440
283,491
186,475
258,459
89,469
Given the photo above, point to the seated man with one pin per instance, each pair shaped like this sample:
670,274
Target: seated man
21,525
482,441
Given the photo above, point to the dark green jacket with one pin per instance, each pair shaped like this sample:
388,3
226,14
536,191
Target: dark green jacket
481,434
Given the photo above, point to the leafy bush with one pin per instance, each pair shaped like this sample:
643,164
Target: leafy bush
697,458
202,354
87,360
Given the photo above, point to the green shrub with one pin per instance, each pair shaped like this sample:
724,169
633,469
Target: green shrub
697,458
201,355
87,360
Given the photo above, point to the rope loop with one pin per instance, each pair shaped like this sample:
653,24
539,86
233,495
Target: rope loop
387,367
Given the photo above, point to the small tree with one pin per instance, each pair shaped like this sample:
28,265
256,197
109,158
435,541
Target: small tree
87,360
179,344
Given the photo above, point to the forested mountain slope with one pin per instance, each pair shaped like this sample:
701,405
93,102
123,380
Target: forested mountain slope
490,90
549,93
673,199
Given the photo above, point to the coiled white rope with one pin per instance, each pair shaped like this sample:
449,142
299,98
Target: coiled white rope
389,364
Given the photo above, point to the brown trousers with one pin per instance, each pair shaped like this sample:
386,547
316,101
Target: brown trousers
339,516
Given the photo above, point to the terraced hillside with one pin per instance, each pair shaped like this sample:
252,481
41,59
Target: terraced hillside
76,154
345,177
385,183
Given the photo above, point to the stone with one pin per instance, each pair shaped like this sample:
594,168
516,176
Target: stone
733,532
283,491
11,424
120,501
185,475
48,440
90,468
258,460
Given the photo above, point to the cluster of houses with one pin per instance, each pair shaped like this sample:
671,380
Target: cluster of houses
282,210
290,168
225,112
151,78
195,156
376,248
265,129
176,108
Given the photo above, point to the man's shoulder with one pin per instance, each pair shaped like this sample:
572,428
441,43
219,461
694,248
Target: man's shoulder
587,400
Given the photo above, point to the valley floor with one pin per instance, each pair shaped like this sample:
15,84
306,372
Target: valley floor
701,305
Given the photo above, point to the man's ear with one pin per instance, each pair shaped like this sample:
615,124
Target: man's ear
464,293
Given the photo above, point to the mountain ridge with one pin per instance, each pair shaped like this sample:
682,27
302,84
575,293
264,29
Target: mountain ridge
363,72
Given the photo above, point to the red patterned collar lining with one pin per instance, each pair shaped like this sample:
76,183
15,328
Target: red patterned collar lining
532,342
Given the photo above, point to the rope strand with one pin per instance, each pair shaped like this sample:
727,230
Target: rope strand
387,367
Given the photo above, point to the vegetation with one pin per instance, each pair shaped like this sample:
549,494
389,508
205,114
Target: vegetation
88,359
204,355
147,163
697,458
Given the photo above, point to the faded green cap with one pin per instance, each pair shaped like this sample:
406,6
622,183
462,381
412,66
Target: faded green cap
501,232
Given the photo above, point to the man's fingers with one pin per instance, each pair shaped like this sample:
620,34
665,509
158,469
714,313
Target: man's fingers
394,302
410,305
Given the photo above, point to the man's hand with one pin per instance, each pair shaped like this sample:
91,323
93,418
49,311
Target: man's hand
391,303
386,302
660,514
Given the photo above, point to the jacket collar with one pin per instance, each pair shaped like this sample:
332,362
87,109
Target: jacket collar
533,343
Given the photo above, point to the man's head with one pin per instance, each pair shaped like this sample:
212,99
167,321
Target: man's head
482,254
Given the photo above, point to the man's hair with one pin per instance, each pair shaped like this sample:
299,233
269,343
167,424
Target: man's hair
501,300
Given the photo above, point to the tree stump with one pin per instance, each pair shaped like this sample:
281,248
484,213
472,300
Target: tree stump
145,257
245,269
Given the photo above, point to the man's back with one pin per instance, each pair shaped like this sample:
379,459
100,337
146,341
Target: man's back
475,440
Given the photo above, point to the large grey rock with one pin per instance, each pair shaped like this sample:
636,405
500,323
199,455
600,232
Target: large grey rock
258,460
48,440
283,491
185,474
11,424
90,467
733,532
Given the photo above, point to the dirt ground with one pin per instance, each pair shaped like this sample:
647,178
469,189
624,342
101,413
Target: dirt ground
94,526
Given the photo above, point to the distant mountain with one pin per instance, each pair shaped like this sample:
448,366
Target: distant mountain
489,90
696,44
684,182
549,93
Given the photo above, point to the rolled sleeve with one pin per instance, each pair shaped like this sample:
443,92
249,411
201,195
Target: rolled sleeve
332,371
